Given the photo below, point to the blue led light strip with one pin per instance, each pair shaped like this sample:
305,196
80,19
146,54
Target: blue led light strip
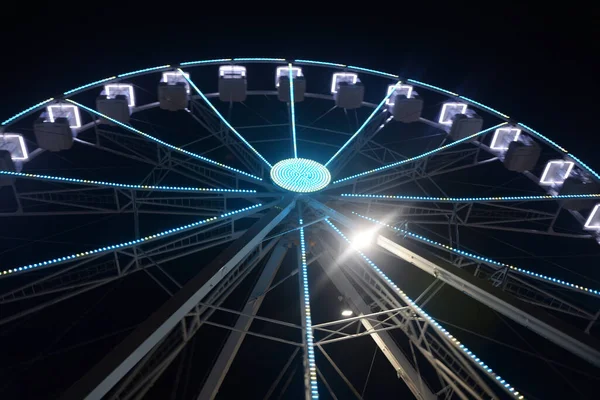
259,59
428,86
433,323
310,346
486,260
170,146
323,63
544,138
107,249
473,199
375,111
292,108
372,71
32,108
426,154
207,101
141,71
215,61
490,109
584,166
122,185
68,92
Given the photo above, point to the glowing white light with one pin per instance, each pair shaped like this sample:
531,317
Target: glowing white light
556,172
363,239
347,313
174,77
232,71
401,90
503,137
284,71
449,110
67,111
15,145
300,175
593,221
340,77
115,89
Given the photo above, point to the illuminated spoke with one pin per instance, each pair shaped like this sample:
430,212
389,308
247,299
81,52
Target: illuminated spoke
486,260
124,245
310,347
367,197
432,322
375,111
292,110
231,128
420,156
88,182
170,146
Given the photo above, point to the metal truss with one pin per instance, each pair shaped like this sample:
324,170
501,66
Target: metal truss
457,373
91,272
140,379
534,319
211,123
102,378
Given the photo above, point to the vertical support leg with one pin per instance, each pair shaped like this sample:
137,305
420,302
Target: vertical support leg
236,337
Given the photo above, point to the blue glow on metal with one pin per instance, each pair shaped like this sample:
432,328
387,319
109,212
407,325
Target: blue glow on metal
486,260
427,85
326,64
68,92
260,59
300,175
8,121
432,322
426,154
372,71
293,111
110,248
122,185
140,71
544,138
179,149
472,199
484,106
584,166
310,346
231,128
215,61
375,111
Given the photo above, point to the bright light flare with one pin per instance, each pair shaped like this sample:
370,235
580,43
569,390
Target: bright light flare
364,238
347,313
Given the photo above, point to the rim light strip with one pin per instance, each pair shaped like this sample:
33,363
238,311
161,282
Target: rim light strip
426,154
207,101
77,89
309,330
484,259
372,71
293,110
179,149
432,321
141,71
375,111
544,138
106,249
123,185
323,63
473,199
22,113
215,61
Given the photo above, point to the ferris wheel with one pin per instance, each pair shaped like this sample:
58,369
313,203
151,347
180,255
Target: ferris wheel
227,181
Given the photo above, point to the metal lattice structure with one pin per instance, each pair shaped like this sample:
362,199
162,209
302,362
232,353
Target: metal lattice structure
249,209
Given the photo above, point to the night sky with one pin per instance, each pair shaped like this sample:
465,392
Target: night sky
540,69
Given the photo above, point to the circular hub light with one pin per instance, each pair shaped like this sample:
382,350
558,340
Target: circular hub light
300,175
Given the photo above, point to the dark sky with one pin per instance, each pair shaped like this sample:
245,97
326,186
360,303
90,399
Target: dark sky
539,68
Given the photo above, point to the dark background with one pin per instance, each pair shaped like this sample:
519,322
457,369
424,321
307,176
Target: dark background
536,66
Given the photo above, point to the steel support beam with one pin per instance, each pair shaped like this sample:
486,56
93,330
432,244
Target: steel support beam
383,340
97,382
236,337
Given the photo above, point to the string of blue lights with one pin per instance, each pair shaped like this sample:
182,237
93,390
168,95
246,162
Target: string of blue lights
471,199
452,340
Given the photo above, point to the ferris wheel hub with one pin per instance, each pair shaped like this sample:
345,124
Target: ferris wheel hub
300,175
